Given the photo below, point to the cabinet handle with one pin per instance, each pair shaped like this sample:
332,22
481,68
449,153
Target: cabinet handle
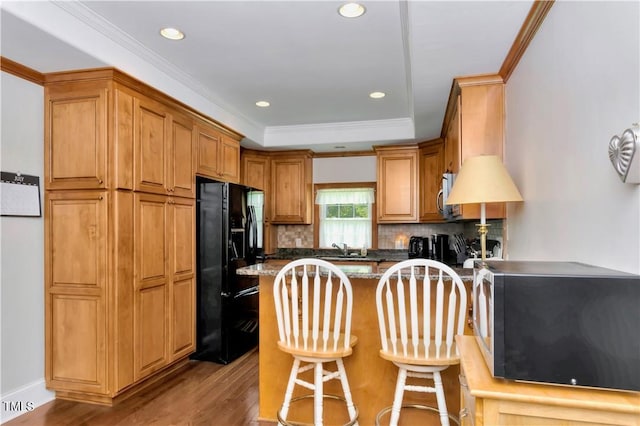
470,318
100,198
100,181
463,413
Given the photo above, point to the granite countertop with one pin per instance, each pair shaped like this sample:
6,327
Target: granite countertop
378,255
361,271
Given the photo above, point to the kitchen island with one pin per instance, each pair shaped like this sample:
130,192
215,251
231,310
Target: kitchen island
371,378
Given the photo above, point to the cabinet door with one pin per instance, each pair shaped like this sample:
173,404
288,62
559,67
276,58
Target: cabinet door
397,186
255,171
431,169
151,134
76,136
181,176
452,142
75,281
208,142
291,191
151,296
229,158
182,312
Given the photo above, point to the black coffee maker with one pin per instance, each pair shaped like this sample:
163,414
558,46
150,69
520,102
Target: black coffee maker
440,244
419,247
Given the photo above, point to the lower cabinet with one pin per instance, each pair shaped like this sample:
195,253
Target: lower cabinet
120,290
164,297
76,279
486,401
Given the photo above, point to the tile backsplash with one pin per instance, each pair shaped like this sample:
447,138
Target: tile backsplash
395,236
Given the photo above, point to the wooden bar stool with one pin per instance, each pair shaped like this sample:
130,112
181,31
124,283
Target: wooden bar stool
313,303
417,329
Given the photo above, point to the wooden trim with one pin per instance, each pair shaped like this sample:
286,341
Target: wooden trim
382,148
291,153
430,142
534,20
21,71
530,26
316,210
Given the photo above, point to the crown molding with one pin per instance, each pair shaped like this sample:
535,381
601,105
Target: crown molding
531,24
340,132
96,22
21,71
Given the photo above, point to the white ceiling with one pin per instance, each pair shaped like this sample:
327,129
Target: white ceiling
315,67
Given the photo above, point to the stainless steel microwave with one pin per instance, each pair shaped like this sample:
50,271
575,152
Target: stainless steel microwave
558,322
448,212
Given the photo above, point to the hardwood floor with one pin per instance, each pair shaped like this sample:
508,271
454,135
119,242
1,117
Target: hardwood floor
204,393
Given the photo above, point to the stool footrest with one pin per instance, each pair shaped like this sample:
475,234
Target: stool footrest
418,406
351,422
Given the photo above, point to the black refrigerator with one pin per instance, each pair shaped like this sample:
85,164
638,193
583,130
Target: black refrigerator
229,236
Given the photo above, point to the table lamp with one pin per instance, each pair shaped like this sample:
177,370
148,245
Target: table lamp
483,179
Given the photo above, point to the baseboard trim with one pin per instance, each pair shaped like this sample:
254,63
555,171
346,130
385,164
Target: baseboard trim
24,400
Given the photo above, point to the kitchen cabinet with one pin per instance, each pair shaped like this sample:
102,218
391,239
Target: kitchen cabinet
164,297
163,149
218,154
291,187
150,149
256,173
474,125
487,401
76,152
431,169
397,181
77,254
119,235
256,169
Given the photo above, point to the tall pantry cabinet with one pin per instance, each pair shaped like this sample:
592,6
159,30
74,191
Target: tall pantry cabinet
119,235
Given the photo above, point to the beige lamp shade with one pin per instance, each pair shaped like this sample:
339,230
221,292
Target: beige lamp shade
483,179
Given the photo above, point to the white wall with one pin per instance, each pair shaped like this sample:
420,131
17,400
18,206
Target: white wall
22,251
344,169
577,85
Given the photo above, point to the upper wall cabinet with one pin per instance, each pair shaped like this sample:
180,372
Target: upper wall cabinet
474,125
76,152
256,170
256,173
291,188
102,134
218,154
163,149
397,176
431,170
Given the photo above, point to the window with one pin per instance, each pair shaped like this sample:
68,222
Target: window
345,215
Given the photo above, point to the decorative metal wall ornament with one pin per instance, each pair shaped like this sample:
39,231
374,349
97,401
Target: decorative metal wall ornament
624,153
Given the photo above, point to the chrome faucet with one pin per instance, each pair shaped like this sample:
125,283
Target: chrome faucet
344,249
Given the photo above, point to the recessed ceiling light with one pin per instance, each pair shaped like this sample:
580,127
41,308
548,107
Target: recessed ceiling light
263,104
339,147
377,95
351,10
172,33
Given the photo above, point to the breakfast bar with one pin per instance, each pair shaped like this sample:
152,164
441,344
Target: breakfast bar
371,378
